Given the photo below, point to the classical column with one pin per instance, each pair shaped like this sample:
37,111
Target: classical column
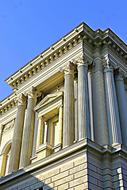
28,133
83,100
17,135
76,108
1,131
68,128
35,143
99,106
122,104
112,106
91,102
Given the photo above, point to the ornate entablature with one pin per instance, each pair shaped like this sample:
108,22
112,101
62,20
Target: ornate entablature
81,34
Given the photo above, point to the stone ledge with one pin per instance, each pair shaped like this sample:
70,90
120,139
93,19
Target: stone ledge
82,146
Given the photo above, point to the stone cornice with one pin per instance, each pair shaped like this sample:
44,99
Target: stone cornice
96,38
111,40
8,103
80,34
45,58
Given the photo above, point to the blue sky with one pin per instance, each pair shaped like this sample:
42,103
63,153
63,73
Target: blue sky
27,27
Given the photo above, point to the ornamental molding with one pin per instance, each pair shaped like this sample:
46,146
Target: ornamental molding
45,58
7,104
48,99
82,33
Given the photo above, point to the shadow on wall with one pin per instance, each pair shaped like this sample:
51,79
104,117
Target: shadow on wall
22,180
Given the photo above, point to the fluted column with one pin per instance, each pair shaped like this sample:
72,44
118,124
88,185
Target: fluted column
122,104
28,133
99,106
83,100
68,129
112,106
76,108
91,102
17,135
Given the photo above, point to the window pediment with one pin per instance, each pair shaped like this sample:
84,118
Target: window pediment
50,98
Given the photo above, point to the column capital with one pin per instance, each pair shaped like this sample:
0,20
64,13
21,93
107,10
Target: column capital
107,66
81,60
69,68
21,99
31,93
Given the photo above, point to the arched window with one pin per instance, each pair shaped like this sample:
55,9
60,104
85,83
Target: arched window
5,156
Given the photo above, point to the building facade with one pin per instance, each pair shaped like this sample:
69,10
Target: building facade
65,124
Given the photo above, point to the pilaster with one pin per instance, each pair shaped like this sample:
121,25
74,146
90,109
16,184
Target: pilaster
1,131
122,104
58,131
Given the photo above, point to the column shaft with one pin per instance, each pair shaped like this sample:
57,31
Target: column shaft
122,103
76,108
28,133
17,136
35,135
90,103
112,107
68,129
1,131
83,102
99,107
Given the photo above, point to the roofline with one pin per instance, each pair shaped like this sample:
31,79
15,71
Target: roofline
81,24
81,29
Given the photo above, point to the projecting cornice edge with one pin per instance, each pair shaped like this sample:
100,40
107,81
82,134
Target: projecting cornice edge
45,58
79,34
